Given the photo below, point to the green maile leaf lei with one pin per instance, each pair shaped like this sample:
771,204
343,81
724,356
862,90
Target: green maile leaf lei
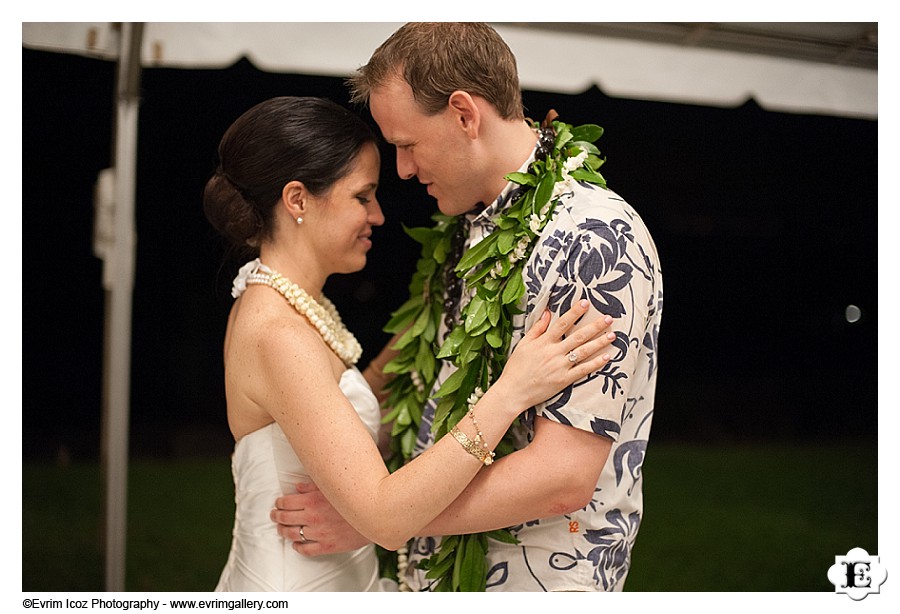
479,342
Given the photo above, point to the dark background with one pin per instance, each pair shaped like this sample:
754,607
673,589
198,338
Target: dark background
766,224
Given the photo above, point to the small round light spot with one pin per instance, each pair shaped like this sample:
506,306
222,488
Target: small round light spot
852,313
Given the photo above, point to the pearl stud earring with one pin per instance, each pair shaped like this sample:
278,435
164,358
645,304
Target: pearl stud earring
299,220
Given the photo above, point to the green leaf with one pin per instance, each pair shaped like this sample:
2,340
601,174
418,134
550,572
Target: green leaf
506,241
477,274
440,568
544,191
502,535
473,376
522,179
563,136
469,346
505,223
389,417
447,547
472,573
403,418
478,253
588,176
494,312
398,428
430,331
404,340
441,249
425,363
420,234
458,562
426,267
400,321
408,442
481,328
452,342
415,412
588,147
514,289
488,290
439,426
421,322
476,313
587,132
404,315
526,209
451,384
396,366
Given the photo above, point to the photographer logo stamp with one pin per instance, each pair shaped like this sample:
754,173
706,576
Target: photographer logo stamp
857,574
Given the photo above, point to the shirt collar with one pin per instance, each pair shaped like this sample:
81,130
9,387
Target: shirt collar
485,217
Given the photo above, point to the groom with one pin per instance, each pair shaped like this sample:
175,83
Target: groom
447,96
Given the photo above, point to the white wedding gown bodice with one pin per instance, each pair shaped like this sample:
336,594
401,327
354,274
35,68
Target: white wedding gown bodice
264,467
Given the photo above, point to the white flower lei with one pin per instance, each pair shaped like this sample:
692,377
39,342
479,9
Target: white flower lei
322,314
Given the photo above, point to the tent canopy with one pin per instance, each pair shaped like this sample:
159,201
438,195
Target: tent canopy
624,61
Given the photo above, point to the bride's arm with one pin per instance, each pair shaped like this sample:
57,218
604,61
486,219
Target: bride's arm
511,493
345,463
374,372
378,380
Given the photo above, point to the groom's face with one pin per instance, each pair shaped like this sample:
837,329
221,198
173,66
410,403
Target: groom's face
431,148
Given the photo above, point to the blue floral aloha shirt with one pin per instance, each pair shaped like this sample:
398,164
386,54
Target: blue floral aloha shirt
595,246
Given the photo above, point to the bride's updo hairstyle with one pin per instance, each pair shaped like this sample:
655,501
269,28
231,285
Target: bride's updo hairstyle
311,140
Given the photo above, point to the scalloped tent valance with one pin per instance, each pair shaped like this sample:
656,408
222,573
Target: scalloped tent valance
619,67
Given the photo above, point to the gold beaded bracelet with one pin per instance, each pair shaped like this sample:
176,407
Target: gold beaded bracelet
472,447
479,438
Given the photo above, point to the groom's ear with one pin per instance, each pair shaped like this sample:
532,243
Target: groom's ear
466,113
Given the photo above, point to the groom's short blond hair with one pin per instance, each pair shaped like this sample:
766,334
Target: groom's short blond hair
437,59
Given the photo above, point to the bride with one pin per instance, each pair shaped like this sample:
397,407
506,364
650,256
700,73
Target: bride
296,186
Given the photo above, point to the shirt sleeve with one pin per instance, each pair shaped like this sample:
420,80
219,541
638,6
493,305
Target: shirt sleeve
594,256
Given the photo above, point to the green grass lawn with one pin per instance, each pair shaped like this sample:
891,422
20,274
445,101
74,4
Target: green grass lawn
753,518
741,518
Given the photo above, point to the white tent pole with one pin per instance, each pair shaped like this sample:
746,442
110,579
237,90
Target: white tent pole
119,285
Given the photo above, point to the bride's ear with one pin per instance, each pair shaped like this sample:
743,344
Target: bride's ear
294,198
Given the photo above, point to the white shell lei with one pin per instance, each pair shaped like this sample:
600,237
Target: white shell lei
322,314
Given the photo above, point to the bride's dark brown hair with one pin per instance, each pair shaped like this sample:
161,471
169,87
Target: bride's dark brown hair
311,140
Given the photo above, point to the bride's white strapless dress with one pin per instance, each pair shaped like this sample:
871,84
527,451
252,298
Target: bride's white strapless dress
265,467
